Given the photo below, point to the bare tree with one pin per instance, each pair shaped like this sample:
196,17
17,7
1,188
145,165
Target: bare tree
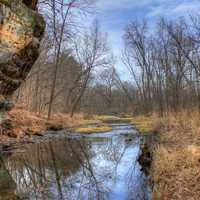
61,22
92,53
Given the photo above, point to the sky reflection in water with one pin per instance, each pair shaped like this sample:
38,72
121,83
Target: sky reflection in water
98,166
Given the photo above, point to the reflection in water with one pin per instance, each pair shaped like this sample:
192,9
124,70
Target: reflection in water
100,166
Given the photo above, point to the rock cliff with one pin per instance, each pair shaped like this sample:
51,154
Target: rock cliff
21,29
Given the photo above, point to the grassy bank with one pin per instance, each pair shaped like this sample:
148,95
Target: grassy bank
145,125
113,119
21,123
176,155
98,129
175,169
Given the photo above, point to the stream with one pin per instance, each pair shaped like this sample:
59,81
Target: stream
77,167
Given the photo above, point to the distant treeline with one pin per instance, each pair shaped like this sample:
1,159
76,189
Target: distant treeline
165,64
76,71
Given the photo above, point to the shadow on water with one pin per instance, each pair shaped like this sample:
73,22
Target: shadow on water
98,166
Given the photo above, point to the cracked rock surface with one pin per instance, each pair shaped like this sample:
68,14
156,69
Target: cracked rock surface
21,30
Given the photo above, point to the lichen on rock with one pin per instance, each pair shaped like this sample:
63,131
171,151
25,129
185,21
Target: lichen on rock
21,29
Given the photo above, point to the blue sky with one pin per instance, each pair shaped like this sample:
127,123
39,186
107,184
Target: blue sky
114,15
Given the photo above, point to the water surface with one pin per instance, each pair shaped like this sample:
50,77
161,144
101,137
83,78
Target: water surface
87,167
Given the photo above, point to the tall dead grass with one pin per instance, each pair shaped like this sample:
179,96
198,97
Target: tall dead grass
176,159
28,123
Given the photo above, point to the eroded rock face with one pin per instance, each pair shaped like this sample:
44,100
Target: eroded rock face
21,29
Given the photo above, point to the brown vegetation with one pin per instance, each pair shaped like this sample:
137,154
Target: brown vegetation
20,123
80,77
176,157
99,129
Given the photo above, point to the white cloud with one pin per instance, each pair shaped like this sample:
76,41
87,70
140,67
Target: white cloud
124,4
114,22
175,9
187,7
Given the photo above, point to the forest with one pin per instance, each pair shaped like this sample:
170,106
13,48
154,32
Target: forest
59,73
76,69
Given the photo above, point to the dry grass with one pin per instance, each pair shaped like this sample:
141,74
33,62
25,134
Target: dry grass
176,174
98,129
24,123
87,122
176,157
145,124
67,121
113,119
29,123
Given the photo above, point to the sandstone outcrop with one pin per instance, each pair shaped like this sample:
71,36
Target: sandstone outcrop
21,30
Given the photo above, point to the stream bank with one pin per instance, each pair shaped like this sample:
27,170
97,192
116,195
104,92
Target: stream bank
19,126
175,155
81,166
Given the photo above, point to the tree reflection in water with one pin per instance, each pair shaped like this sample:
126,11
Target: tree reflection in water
85,168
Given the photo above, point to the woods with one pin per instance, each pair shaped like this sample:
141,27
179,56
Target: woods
164,64
77,71
67,62
99,99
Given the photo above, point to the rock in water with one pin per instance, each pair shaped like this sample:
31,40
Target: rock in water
21,29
